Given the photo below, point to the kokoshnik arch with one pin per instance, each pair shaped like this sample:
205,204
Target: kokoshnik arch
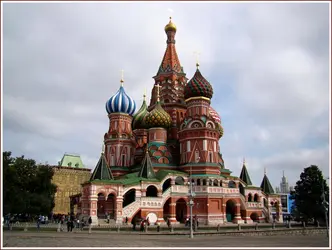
147,158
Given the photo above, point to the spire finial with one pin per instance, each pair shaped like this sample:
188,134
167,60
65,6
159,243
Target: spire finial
103,148
196,53
158,87
122,78
283,173
264,170
144,95
244,161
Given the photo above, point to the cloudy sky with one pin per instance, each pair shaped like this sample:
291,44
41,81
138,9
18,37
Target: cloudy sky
267,62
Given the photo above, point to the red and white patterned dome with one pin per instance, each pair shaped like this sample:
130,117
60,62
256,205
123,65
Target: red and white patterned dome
215,115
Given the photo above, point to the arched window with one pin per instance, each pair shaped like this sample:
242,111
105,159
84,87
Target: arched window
250,197
151,191
256,198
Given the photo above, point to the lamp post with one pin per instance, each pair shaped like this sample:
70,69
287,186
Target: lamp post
325,210
191,200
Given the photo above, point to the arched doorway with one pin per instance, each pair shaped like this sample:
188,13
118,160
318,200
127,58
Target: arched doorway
129,197
254,217
230,210
181,210
110,205
137,217
166,210
151,191
101,205
167,184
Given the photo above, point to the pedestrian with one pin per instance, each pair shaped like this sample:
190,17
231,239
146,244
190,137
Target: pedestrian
168,222
90,224
38,223
68,225
133,222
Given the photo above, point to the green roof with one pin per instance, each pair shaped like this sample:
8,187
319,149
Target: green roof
266,185
70,160
102,170
163,173
245,176
147,169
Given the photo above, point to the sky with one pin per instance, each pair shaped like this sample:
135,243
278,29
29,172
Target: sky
268,64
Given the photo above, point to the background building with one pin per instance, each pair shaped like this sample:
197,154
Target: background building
68,176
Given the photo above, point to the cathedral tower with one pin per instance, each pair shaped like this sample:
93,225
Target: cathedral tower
172,79
119,142
200,131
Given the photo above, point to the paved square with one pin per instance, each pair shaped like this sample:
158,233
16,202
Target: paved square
83,239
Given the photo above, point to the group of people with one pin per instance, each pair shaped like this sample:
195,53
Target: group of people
143,222
195,222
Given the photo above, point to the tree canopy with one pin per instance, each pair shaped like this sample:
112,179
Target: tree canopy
27,186
308,195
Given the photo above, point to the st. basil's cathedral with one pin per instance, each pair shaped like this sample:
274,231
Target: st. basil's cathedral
150,156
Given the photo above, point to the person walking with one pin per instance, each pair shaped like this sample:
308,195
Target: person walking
133,221
90,224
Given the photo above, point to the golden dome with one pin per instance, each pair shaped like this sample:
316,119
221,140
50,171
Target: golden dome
170,26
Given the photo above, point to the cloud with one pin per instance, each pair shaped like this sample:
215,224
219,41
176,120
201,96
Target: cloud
268,64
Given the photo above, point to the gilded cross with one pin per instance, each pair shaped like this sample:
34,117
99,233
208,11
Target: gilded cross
158,87
144,95
122,77
103,148
197,53
244,161
264,171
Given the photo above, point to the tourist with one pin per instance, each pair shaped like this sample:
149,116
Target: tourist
38,223
133,222
68,225
90,224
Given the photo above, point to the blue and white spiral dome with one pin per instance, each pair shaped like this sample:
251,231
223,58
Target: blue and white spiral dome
121,103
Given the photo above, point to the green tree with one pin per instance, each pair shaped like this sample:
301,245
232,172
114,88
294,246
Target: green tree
308,195
27,187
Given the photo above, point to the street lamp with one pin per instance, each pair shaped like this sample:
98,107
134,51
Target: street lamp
191,200
325,209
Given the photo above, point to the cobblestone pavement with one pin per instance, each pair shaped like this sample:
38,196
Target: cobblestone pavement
83,239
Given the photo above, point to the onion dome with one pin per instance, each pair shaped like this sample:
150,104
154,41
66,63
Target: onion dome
121,102
158,117
214,115
170,26
198,86
138,119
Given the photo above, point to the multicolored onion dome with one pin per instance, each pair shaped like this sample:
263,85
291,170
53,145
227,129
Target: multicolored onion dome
198,86
121,103
138,119
158,117
214,115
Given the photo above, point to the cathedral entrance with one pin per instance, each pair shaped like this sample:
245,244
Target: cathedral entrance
129,197
110,205
101,206
166,210
181,210
254,217
230,210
